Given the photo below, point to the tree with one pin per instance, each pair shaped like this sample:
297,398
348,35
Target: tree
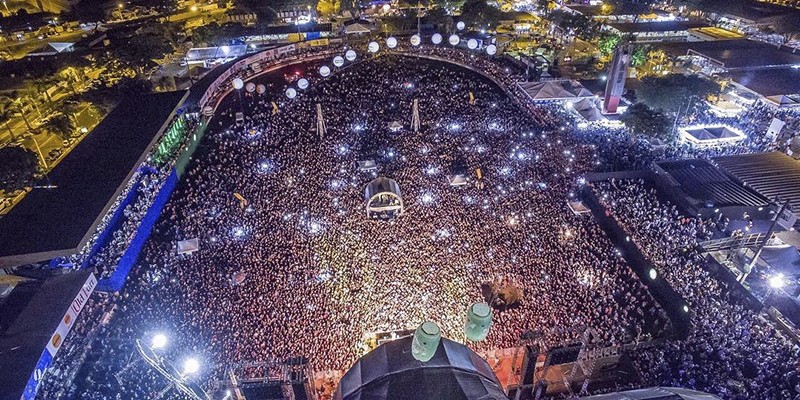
608,42
478,12
18,166
60,125
670,93
632,7
6,113
42,85
639,55
643,120
328,8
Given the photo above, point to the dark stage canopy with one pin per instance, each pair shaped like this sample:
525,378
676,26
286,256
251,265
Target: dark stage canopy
50,223
22,343
769,174
390,372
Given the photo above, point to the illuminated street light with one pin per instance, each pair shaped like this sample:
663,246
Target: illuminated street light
191,366
159,341
777,282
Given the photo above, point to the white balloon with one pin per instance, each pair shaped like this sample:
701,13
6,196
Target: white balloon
415,40
350,55
472,44
238,83
261,89
491,49
437,38
324,70
302,83
454,39
373,47
461,25
391,42
291,93
251,87
338,61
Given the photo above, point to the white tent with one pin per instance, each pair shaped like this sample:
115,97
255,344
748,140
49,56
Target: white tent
784,101
588,110
555,90
395,126
356,28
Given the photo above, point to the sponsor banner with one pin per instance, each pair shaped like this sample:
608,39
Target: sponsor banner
71,315
38,374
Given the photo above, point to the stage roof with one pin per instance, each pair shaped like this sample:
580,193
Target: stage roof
738,54
24,341
555,90
769,82
769,174
50,223
389,372
661,26
703,182
655,393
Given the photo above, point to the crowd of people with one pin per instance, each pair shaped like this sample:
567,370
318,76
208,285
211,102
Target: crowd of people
732,351
289,264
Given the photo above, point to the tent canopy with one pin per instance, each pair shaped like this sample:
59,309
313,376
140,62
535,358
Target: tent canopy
555,90
587,109
355,29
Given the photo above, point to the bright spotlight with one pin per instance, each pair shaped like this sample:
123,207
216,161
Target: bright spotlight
191,366
777,282
159,341
653,274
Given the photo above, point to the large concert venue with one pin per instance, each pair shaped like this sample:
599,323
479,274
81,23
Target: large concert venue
387,219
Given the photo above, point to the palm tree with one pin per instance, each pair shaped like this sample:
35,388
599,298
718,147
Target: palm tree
42,85
60,125
17,106
6,113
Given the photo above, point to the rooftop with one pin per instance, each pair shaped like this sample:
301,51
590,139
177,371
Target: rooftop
705,183
56,222
769,82
663,26
739,54
24,341
770,174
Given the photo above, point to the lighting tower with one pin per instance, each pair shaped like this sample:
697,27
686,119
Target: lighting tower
320,122
415,116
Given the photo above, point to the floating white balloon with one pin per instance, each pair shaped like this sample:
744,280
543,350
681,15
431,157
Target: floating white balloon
373,47
238,83
350,55
291,93
415,40
454,39
391,42
251,87
324,70
472,44
437,38
302,83
491,49
338,61
261,89
461,25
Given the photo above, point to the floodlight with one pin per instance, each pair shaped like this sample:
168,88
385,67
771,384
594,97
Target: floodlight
191,366
159,341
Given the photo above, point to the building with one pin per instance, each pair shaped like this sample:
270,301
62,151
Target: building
664,31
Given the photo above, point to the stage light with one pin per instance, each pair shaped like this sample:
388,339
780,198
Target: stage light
159,341
777,282
191,366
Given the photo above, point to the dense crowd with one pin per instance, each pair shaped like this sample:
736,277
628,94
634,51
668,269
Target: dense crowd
732,351
297,268
289,264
